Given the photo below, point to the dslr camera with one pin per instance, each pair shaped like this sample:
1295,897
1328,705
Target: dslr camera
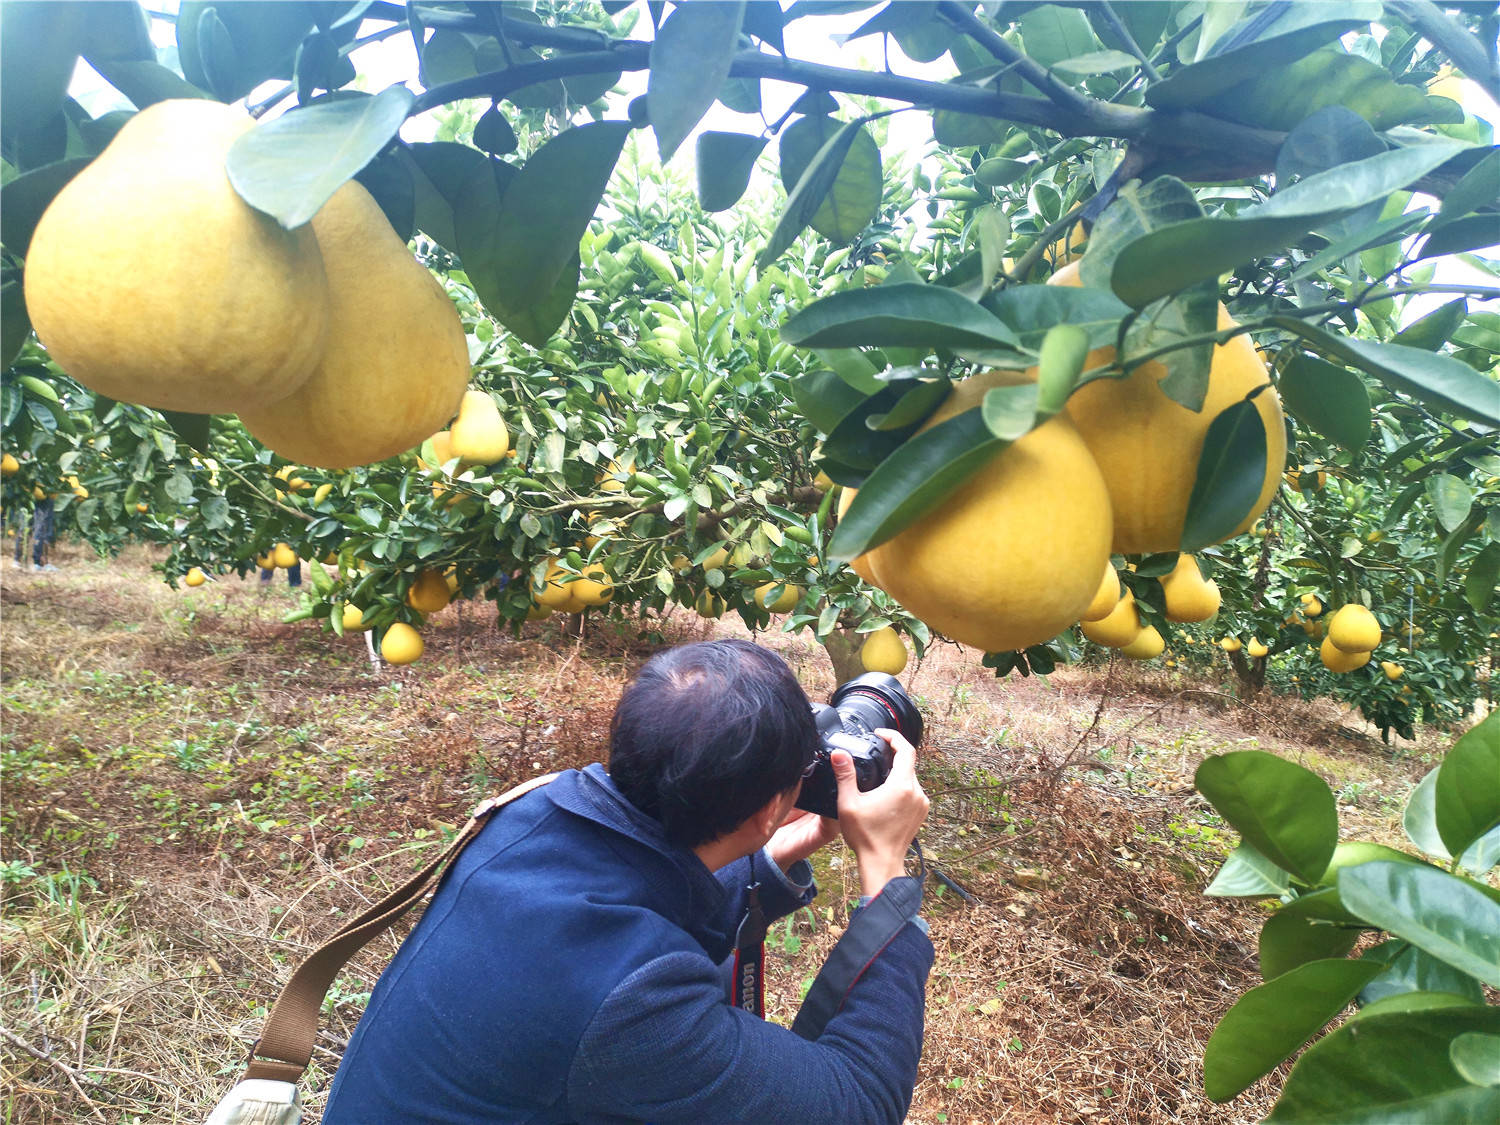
848,722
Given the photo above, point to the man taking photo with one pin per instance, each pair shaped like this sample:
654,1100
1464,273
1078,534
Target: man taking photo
572,965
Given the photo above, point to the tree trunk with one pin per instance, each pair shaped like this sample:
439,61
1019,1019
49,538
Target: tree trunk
842,646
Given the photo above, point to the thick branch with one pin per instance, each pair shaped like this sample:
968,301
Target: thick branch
1468,52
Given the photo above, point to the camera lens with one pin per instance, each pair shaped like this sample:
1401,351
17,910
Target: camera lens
876,700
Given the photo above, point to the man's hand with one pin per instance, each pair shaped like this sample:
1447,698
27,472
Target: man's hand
880,824
801,834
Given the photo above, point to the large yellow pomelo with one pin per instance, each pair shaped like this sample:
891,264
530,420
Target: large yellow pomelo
861,565
1189,596
1336,659
883,652
1353,628
1147,446
1014,555
785,603
428,592
1119,627
1106,597
1148,644
151,281
283,556
595,587
401,644
396,362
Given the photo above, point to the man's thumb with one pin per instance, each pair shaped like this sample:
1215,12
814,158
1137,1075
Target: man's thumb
843,770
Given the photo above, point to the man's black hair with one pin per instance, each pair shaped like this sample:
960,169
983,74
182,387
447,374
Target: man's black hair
706,734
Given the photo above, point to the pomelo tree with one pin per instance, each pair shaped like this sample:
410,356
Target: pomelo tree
677,370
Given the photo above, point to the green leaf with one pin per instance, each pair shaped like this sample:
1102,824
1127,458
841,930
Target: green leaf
1283,810
146,82
1473,232
1095,62
389,179
1231,473
1136,211
547,207
1467,792
824,399
493,133
1483,576
24,198
1052,33
913,480
1326,79
1409,969
1172,258
1268,40
1410,1002
1011,413
1420,818
453,182
191,428
1475,189
1193,312
15,325
1297,934
690,59
1272,1020
997,171
1435,911
39,45
289,167
725,161
1030,310
1451,499
1363,238
1436,328
851,198
1438,380
1475,1055
1388,1069
902,315
1248,874
249,40
1330,400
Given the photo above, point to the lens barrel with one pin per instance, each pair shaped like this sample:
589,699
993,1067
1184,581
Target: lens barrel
863,705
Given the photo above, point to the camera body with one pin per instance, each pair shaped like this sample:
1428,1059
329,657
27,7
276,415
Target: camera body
848,722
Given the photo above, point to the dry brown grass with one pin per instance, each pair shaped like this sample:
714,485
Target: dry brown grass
201,792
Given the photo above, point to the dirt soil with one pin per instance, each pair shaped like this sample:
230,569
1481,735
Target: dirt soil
194,793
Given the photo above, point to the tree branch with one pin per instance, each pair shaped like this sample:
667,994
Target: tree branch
966,21
1467,52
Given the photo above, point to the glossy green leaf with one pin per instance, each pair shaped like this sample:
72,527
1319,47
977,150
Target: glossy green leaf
289,166
1476,1056
252,40
1467,792
1030,310
191,429
449,179
1364,238
998,171
39,45
1272,1020
1436,328
1052,33
1472,232
547,207
1283,810
1329,399
1387,1069
1435,911
1438,380
1248,874
852,197
1231,473
1326,79
494,134
1269,39
902,315
1172,258
690,59
24,198
1410,1002
146,82
824,399
911,481
810,193
1138,210
388,178
1483,577
1475,189
1192,313
1409,969
725,161
856,442
1451,499
1296,934
15,325
1010,413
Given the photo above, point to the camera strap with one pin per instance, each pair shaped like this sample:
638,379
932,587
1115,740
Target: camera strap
748,980
871,929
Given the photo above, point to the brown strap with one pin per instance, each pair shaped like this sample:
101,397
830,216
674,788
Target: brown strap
285,1045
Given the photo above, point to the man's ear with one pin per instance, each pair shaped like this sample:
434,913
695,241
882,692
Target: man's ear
769,816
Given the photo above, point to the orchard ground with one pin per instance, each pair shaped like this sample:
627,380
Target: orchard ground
195,794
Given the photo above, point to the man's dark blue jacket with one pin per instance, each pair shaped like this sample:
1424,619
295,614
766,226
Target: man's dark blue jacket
569,969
